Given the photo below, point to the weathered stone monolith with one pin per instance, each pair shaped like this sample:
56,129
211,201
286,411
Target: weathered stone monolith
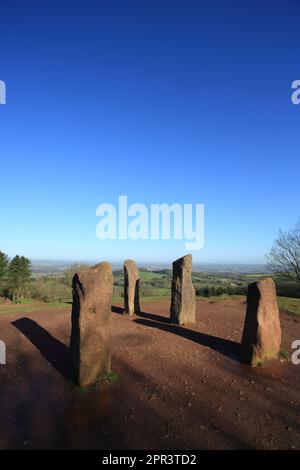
131,287
183,303
90,343
262,332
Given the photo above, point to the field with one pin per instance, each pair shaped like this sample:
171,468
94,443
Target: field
53,290
172,387
155,286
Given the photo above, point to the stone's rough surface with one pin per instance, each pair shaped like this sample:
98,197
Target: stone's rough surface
183,303
131,287
90,343
262,332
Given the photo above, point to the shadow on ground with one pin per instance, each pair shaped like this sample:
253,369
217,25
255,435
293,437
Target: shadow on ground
226,347
53,350
147,315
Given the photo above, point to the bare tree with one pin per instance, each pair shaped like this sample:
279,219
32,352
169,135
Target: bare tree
284,257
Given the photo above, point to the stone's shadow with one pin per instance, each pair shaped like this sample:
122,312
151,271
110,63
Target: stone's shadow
116,309
226,347
154,317
147,315
55,352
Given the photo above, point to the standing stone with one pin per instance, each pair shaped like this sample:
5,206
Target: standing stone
262,332
90,343
131,287
183,303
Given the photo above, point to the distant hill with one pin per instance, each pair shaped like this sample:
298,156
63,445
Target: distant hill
50,267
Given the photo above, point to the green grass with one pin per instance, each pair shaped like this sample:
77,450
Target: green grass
161,292
257,275
31,305
58,304
284,354
111,377
221,298
155,297
27,302
147,275
289,304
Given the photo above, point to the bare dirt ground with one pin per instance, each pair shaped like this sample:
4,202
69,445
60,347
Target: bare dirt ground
178,387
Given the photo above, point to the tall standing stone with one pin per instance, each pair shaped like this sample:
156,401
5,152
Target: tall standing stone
262,332
131,287
183,303
90,343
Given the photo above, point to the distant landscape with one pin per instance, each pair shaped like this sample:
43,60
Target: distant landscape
51,281
44,267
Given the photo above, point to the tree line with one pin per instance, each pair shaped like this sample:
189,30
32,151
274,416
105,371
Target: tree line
14,275
212,291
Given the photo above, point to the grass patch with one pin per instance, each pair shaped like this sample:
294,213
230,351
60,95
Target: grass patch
58,304
147,275
284,355
31,305
111,377
250,276
154,298
221,298
289,305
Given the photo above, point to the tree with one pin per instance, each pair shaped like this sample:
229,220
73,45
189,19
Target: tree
25,272
3,265
284,257
13,278
18,274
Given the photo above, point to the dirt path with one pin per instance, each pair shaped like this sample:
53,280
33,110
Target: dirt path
179,388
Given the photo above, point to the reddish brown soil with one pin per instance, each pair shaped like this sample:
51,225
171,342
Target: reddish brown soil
179,387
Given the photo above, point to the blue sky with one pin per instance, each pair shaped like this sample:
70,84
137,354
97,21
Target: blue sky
162,101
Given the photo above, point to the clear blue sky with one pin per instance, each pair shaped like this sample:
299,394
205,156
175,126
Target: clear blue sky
163,101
